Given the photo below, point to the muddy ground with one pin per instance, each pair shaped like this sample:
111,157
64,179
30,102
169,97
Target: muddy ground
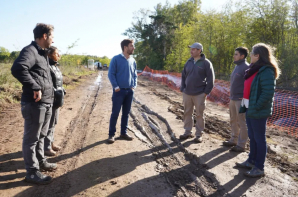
155,163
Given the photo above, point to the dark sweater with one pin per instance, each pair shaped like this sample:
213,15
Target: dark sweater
32,69
237,80
197,78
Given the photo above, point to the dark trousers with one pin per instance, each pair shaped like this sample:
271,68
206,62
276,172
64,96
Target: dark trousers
258,147
123,99
50,135
37,118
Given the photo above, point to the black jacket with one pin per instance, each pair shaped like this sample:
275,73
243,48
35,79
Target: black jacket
32,69
56,74
57,82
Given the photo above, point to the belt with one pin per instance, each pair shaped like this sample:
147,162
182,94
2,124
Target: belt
125,88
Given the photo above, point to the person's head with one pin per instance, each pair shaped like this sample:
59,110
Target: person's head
53,53
263,53
44,35
196,49
240,53
127,46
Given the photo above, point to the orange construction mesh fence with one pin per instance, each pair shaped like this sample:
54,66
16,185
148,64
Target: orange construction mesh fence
285,107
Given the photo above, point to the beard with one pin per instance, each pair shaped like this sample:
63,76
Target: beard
130,52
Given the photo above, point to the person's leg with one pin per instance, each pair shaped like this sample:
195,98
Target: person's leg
126,109
188,111
55,147
117,100
243,135
233,121
34,116
200,104
43,131
253,145
259,127
50,135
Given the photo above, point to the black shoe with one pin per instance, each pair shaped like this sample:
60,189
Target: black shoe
126,137
46,166
228,143
38,178
198,139
111,139
245,164
237,149
185,136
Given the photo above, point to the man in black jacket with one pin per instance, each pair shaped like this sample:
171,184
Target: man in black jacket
32,69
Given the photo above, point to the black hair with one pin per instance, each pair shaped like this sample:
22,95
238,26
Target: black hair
243,51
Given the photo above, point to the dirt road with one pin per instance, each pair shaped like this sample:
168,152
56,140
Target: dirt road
155,163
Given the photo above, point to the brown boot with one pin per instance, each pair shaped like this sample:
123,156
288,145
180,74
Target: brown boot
49,153
126,137
56,147
185,136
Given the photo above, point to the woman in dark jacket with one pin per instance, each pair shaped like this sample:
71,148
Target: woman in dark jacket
257,102
59,92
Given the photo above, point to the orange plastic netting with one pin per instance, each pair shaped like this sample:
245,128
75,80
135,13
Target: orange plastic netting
285,107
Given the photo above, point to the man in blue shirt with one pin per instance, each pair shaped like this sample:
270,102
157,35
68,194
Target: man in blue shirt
123,77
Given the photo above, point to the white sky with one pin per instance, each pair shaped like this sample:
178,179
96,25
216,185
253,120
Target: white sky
98,24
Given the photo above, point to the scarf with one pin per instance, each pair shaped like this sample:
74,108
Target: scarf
253,68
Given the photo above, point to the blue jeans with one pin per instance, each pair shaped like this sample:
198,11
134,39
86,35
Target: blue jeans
258,147
123,99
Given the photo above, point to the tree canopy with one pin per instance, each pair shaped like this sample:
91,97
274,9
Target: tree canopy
162,36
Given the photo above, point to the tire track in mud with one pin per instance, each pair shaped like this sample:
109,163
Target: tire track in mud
215,127
180,167
72,144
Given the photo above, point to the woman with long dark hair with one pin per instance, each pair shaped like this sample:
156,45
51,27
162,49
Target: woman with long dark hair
49,147
257,102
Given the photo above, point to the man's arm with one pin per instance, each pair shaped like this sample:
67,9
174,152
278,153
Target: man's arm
20,69
135,77
112,73
209,78
267,85
183,76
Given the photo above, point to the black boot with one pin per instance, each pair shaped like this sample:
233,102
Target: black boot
37,177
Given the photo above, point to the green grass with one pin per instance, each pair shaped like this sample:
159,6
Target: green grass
11,89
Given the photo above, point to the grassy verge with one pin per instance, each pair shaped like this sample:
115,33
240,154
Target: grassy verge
11,89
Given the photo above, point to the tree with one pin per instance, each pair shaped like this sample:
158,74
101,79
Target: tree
4,54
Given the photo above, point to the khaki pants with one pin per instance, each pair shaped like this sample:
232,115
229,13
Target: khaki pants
238,124
189,101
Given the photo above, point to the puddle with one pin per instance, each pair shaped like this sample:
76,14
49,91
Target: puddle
98,79
97,83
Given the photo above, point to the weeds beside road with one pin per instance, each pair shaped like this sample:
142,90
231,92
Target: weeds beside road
11,89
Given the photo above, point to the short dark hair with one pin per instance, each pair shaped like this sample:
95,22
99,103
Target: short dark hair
243,51
51,50
41,29
125,43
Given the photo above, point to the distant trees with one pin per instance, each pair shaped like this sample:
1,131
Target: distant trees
4,54
162,35
66,59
